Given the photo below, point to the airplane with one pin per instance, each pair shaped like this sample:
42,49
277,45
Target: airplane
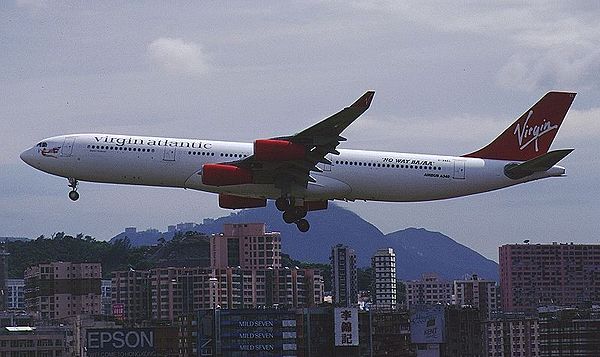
304,171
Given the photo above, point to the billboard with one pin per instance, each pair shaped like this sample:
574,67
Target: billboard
263,332
118,311
345,326
427,324
131,342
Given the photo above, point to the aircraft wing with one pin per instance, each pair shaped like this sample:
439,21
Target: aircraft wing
318,141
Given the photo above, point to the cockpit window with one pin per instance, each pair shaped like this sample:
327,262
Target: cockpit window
42,145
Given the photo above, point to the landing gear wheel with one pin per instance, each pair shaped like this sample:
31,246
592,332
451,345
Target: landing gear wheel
289,217
74,195
303,225
300,212
283,204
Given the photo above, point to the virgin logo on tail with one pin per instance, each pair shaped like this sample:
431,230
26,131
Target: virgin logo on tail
532,133
537,126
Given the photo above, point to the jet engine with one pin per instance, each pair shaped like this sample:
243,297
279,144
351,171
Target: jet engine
225,175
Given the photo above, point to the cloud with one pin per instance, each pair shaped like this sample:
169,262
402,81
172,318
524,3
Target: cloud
32,4
177,56
545,45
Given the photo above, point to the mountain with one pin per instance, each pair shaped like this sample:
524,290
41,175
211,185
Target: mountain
417,251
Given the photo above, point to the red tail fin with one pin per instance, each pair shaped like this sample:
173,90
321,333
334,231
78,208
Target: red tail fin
531,135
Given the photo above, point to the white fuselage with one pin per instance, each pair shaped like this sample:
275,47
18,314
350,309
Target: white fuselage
353,174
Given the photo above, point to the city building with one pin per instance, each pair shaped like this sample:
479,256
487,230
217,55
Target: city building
478,293
462,332
239,332
384,279
96,337
344,276
36,341
292,332
106,297
247,246
179,292
385,333
533,275
130,295
15,294
3,277
63,289
314,327
569,332
429,290
446,330
512,335
80,324
16,318
185,227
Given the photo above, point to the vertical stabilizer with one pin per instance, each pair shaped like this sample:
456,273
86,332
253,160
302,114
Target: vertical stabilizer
532,134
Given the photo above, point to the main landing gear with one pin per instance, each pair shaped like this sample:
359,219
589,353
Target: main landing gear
293,214
73,195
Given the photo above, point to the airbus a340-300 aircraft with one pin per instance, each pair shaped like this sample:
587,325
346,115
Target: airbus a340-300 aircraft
302,172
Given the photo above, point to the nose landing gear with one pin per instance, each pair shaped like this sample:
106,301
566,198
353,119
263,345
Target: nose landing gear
73,195
292,213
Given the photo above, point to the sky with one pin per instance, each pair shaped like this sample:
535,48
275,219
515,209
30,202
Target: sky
448,76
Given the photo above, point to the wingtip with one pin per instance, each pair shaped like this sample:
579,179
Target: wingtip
364,101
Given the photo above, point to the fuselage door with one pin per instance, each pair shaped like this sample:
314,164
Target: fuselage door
459,169
169,154
67,147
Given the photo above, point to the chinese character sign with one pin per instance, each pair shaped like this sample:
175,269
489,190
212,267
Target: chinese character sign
118,311
346,326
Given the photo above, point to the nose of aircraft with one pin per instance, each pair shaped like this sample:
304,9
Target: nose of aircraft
27,156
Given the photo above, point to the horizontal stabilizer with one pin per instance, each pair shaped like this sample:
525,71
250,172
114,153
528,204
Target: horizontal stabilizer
538,164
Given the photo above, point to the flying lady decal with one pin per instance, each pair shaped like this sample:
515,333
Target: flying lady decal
52,152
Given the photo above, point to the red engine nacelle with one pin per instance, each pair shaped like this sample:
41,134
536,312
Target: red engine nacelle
235,202
278,150
225,175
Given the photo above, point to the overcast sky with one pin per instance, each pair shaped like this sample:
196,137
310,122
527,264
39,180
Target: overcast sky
449,77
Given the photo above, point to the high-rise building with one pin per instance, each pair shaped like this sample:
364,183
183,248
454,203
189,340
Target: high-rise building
478,293
247,246
63,289
130,295
3,277
512,335
345,279
15,294
106,297
431,289
569,332
384,279
533,275
177,292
